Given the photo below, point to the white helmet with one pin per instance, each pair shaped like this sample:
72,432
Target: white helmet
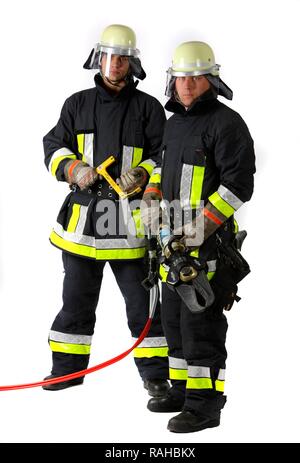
195,59
116,40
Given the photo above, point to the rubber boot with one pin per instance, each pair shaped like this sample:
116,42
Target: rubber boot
156,387
166,404
63,384
206,417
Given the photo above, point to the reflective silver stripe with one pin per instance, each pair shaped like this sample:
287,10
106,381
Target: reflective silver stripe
126,213
156,170
229,197
89,148
166,267
221,375
198,372
179,364
185,185
118,243
150,162
211,265
118,50
70,338
58,154
152,342
127,158
82,219
208,68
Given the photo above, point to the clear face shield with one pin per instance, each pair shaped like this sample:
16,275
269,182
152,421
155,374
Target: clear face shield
114,63
212,75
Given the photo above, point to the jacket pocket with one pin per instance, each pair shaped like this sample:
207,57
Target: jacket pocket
194,155
75,214
134,134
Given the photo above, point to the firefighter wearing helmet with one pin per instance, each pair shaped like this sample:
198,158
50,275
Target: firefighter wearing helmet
208,166
92,229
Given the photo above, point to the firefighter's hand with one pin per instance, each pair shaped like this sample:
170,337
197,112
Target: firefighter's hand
150,210
80,173
133,179
192,233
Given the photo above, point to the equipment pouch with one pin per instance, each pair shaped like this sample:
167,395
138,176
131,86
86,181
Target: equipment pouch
231,269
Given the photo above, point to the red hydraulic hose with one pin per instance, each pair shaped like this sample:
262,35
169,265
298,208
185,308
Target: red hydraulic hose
78,374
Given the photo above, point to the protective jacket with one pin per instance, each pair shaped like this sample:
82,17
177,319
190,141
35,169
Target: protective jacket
208,155
94,125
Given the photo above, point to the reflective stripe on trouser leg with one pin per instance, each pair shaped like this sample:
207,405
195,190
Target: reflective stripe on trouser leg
220,381
151,356
171,313
71,332
204,391
200,340
178,368
151,347
199,378
69,343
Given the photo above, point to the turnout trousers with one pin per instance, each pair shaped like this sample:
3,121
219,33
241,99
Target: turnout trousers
197,352
71,332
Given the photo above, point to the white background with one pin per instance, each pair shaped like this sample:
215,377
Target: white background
43,48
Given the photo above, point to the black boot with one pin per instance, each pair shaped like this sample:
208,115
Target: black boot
208,416
62,385
165,404
156,387
188,421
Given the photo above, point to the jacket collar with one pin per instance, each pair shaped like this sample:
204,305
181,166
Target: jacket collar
106,96
207,99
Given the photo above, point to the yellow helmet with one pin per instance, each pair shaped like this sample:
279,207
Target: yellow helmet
116,39
193,59
119,40
196,59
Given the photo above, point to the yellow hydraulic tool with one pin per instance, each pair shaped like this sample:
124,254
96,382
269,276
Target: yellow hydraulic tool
101,170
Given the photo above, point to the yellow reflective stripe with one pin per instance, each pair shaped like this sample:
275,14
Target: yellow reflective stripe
210,275
196,187
81,349
199,383
156,178
74,218
101,254
219,385
195,253
149,352
236,226
80,144
137,156
175,373
163,273
139,226
221,205
56,162
149,167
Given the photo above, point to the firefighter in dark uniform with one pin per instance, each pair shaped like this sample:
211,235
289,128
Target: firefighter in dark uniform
94,226
208,166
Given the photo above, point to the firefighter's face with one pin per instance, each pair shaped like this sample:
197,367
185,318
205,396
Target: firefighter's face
189,88
118,68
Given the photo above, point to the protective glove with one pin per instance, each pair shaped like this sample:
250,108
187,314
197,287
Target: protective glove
133,179
201,227
80,173
150,210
